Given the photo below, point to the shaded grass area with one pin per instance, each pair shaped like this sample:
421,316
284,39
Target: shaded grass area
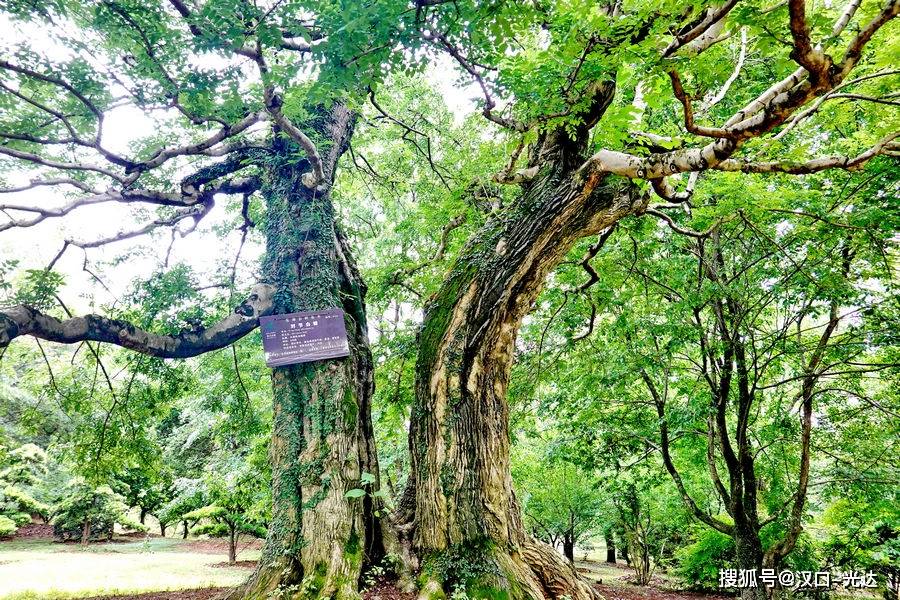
41,569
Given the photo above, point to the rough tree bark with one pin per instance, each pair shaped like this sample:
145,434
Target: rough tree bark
322,439
459,506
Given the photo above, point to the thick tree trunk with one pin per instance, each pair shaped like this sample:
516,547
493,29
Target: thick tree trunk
460,488
143,516
749,554
322,439
162,529
184,533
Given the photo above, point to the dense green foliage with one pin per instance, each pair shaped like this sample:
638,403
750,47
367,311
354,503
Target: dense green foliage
90,513
731,351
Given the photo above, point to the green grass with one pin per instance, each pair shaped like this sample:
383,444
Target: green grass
39,569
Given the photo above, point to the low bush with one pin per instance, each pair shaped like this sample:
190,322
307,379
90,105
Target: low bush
7,527
699,562
20,519
15,500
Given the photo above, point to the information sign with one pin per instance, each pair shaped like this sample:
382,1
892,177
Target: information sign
304,337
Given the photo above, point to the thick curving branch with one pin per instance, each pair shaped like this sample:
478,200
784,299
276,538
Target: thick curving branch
190,199
711,17
63,166
883,146
772,108
24,320
807,112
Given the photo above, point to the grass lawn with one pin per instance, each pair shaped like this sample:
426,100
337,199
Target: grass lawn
42,569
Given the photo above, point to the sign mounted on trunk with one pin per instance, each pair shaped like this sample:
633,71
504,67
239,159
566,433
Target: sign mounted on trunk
304,337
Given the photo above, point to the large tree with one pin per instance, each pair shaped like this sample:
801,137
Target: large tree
602,103
256,101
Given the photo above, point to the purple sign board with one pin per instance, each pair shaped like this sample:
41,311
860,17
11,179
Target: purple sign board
304,337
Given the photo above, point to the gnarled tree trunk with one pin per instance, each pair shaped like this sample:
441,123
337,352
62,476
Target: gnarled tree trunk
322,439
460,496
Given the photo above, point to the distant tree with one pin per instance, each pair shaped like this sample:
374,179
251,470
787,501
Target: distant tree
146,487
235,506
25,465
188,496
649,520
563,505
90,513
24,469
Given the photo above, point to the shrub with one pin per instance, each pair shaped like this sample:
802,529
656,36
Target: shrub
20,519
15,500
100,508
211,529
699,563
26,464
7,527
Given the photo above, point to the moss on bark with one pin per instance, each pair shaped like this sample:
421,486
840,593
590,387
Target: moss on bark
322,443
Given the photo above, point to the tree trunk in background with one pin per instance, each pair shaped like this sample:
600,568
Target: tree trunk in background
232,545
610,541
460,489
322,439
86,532
569,547
185,532
162,529
143,516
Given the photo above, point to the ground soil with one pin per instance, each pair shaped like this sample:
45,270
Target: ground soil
219,546
387,591
35,531
244,564
651,592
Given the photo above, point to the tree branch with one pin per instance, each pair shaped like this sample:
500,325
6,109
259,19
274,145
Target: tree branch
24,320
710,17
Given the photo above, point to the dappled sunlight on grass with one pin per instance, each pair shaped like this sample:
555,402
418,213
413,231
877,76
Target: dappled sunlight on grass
32,569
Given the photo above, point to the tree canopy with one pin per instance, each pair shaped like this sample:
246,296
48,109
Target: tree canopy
657,237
